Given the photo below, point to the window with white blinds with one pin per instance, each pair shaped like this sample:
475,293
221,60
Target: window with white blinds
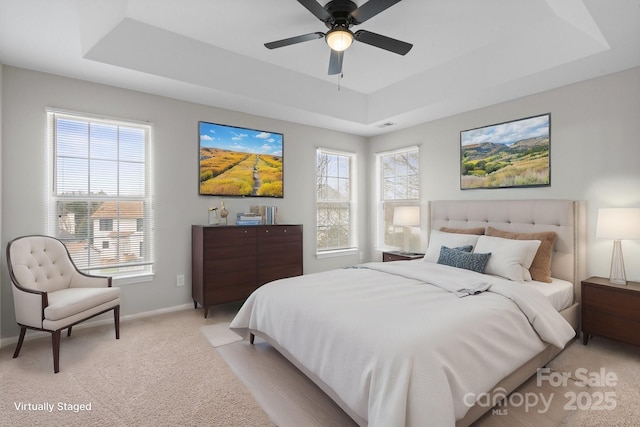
335,201
398,186
100,199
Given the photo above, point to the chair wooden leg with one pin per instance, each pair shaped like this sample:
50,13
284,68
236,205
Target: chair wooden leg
116,320
69,331
55,341
23,330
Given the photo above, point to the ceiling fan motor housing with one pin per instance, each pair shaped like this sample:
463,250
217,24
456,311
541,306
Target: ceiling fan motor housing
340,11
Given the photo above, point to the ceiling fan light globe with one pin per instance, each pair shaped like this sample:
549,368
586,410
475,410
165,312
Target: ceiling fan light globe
339,39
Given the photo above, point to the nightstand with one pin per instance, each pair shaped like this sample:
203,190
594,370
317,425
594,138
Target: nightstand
611,311
400,256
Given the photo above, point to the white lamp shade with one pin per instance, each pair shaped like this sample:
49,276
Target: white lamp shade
339,39
407,216
618,223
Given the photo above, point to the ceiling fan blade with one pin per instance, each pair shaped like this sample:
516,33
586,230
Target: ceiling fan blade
294,40
371,9
335,62
383,42
316,8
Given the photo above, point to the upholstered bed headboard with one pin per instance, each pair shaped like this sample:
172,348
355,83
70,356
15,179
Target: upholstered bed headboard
561,216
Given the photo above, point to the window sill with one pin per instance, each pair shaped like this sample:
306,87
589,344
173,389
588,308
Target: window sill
130,280
337,253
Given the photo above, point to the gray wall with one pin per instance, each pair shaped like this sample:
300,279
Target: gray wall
175,156
594,157
595,154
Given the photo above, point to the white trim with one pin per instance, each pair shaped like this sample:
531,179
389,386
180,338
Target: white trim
130,280
98,322
337,253
336,152
97,117
398,150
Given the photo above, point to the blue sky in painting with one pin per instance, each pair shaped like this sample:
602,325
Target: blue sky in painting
507,133
240,139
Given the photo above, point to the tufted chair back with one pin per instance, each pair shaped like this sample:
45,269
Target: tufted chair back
41,263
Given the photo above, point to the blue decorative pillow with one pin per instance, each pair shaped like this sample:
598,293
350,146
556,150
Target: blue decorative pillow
461,259
465,248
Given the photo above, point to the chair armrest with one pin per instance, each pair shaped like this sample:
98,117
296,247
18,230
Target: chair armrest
82,280
29,305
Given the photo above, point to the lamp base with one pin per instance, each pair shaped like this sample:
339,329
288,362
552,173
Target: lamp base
617,275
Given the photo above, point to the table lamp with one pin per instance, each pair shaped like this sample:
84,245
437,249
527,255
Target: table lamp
618,224
406,217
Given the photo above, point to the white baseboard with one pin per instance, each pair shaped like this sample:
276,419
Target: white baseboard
32,335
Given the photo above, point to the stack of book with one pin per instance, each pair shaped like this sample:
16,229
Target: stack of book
248,219
267,213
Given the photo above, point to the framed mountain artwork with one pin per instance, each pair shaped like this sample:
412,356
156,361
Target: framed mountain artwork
507,155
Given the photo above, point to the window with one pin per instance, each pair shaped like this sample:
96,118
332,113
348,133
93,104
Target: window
100,193
398,185
335,201
106,224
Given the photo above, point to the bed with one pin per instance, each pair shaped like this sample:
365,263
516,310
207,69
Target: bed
398,343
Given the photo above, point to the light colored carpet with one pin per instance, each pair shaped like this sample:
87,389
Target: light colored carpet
281,389
161,372
600,364
219,334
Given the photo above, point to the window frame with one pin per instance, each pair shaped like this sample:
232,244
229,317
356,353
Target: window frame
352,246
146,264
382,202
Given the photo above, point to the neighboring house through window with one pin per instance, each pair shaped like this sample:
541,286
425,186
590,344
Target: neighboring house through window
398,185
100,202
335,198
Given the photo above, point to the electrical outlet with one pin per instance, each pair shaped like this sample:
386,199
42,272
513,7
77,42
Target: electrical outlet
180,280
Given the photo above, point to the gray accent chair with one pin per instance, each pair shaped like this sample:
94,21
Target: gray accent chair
49,292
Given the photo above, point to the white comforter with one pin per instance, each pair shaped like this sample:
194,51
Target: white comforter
397,350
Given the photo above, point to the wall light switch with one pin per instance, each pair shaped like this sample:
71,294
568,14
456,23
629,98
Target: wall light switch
180,280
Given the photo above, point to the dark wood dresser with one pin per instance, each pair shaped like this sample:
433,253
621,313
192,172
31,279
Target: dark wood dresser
230,262
611,311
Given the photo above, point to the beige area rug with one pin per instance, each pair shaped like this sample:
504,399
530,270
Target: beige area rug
291,399
161,372
219,334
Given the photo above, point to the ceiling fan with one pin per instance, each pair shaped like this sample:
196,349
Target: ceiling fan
339,16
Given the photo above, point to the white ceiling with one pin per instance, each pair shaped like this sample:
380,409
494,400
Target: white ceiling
467,54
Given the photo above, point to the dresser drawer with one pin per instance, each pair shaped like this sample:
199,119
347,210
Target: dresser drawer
611,326
618,302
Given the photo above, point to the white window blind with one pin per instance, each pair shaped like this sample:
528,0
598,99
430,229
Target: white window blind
398,185
100,199
335,197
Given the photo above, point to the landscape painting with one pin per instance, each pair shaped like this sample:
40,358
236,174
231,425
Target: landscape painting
237,161
505,155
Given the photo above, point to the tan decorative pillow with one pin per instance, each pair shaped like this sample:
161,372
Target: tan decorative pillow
478,231
541,266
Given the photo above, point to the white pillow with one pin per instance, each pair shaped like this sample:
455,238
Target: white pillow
438,239
510,258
